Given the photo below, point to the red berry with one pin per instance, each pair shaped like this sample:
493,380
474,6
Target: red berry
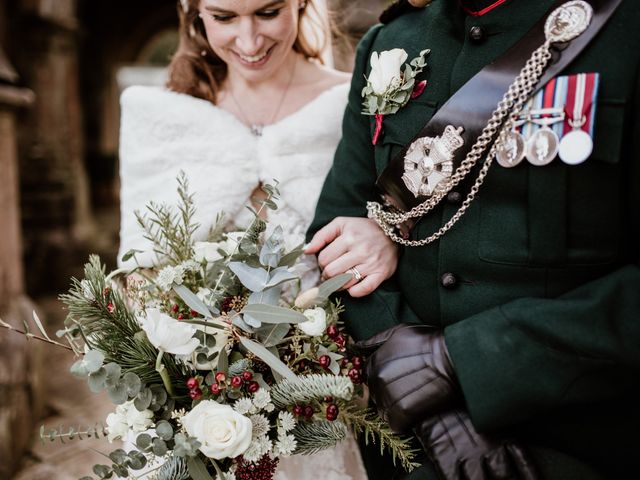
340,340
328,399
175,308
236,382
220,377
106,291
195,394
325,361
180,317
355,376
357,362
247,375
110,307
302,364
192,383
332,331
215,389
308,411
344,362
298,410
332,412
253,387
194,313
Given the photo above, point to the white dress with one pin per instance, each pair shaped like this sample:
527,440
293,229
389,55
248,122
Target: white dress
163,133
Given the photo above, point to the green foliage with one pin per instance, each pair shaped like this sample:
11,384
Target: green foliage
319,435
367,423
305,389
173,469
97,431
171,233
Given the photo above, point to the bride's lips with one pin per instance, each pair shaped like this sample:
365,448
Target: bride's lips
254,61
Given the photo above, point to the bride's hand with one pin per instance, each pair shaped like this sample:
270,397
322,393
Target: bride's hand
355,243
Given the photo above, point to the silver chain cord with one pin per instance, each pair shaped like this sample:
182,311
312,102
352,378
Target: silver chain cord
510,106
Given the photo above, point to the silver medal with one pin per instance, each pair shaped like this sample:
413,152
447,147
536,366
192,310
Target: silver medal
575,147
511,151
542,147
568,21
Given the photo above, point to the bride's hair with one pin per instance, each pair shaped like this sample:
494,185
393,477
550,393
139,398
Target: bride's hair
197,71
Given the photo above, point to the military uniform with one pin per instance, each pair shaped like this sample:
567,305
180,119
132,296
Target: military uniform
537,287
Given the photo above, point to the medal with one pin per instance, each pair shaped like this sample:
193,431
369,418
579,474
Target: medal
576,146
542,147
512,150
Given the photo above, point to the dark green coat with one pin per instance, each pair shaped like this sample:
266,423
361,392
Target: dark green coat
543,324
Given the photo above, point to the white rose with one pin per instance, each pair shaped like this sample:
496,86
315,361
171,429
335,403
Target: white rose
386,69
207,251
128,418
168,334
222,431
317,322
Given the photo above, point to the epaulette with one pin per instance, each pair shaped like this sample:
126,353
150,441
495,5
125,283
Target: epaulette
396,9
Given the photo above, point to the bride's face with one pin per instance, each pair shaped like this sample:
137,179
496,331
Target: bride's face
253,37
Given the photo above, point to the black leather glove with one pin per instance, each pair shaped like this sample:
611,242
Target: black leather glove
461,453
409,374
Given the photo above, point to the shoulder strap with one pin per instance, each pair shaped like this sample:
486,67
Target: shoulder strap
473,104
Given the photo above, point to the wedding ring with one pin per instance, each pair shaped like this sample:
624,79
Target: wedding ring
356,273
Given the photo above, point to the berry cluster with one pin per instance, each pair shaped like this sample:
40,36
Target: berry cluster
353,368
263,469
333,332
182,313
239,383
307,411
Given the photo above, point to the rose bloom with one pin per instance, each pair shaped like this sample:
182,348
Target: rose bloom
317,322
386,69
222,431
168,334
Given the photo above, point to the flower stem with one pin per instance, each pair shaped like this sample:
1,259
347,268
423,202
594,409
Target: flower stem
164,374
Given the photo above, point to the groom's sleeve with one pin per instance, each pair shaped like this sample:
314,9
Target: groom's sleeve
351,180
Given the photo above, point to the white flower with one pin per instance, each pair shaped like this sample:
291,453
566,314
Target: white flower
168,334
189,266
128,417
386,70
168,276
258,448
207,251
243,406
287,421
260,424
222,431
286,444
261,399
317,322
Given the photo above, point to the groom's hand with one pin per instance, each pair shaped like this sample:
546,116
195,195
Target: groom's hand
410,375
461,453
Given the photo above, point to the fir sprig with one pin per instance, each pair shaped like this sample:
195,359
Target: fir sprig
366,422
319,435
310,387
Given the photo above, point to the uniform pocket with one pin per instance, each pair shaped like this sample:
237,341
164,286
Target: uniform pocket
557,214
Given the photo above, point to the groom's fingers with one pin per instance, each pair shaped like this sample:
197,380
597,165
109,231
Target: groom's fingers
325,236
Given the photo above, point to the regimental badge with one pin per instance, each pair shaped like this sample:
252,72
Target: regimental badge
558,121
428,162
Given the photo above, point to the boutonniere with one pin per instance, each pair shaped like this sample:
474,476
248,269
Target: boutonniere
391,84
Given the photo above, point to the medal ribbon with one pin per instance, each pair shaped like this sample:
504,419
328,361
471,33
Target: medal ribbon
582,90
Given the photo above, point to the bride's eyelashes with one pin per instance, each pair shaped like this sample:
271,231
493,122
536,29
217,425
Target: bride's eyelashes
264,14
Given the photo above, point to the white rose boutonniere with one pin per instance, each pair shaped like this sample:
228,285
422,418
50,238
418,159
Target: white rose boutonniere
222,432
391,84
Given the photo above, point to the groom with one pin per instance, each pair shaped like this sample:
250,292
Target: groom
531,368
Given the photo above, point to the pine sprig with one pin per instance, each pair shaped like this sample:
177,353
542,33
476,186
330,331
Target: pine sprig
171,233
173,469
317,436
366,422
306,388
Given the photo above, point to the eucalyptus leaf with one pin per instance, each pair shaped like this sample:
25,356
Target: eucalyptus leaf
113,374
197,469
136,460
280,275
102,471
131,253
192,300
164,430
267,357
333,284
270,296
223,361
159,447
273,314
96,380
271,251
118,456
143,399
143,441
118,394
271,335
254,279
290,258
241,324
132,383
203,323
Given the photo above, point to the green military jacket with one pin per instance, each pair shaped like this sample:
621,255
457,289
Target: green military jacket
537,287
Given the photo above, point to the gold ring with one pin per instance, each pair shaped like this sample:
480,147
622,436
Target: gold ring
356,273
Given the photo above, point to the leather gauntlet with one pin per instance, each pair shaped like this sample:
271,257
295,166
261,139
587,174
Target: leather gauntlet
410,375
461,453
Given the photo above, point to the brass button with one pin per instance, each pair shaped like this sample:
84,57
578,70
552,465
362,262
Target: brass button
476,34
448,280
454,198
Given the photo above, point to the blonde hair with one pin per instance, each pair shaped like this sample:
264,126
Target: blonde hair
197,71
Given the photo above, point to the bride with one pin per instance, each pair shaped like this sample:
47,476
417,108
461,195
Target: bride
248,101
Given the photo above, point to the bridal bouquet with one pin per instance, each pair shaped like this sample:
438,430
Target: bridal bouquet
217,363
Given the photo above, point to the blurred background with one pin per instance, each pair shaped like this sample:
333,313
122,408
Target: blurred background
63,64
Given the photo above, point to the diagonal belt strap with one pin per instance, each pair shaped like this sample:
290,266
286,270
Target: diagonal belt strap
472,105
